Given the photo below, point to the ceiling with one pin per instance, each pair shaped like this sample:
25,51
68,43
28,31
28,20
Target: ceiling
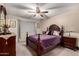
21,9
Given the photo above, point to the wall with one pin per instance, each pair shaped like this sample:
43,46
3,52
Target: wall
69,19
25,27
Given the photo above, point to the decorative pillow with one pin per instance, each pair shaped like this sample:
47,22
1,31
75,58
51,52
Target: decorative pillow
56,33
47,32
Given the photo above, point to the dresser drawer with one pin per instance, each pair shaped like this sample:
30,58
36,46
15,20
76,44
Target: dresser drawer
69,46
66,40
69,42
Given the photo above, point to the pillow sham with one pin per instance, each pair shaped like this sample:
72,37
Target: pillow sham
56,33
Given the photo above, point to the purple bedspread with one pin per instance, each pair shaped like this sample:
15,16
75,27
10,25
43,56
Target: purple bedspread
46,40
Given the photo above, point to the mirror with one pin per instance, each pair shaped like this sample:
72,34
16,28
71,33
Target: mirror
3,26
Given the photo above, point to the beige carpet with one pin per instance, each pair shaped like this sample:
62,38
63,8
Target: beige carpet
22,50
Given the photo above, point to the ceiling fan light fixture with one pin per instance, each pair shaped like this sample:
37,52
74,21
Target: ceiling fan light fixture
39,12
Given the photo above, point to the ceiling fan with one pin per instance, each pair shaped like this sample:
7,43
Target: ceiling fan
38,12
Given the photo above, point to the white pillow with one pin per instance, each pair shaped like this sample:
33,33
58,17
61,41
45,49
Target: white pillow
56,33
47,32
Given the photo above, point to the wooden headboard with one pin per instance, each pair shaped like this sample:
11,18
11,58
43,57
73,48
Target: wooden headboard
54,27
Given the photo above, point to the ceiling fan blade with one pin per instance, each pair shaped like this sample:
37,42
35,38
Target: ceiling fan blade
41,15
44,11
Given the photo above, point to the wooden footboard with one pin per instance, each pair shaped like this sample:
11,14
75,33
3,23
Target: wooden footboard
38,44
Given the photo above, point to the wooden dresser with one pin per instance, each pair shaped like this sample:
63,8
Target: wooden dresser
69,42
7,45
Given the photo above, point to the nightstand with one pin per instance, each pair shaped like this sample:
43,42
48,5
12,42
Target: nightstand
69,42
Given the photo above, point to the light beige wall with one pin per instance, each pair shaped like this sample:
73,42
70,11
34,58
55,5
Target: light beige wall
69,19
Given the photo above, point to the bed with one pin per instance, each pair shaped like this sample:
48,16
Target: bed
41,43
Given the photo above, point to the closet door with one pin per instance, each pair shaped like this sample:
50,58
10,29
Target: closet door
26,27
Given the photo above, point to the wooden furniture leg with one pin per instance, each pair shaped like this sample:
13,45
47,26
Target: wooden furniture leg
27,39
38,46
